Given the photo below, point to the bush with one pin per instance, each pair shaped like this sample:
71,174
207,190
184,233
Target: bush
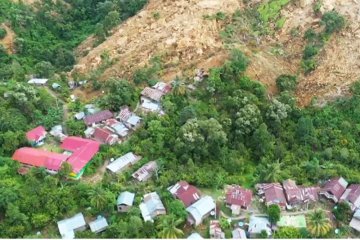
309,65
333,22
310,34
310,51
2,33
286,83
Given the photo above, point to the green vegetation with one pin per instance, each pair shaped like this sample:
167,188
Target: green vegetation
274,213
342,213
333,22
2,33
288,233
286,83
318,223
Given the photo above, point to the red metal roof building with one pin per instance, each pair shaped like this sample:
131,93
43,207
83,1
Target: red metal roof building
40,158
185,192
298,195
352,196
98,117
36,135
153,94
334,188
237,198
105,136
273,194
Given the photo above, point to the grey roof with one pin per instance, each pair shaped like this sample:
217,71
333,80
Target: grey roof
79,115
98,225
55,85
123,162
238,233
67,226
134,120
126,198
357,214
151,204
258,224
201,208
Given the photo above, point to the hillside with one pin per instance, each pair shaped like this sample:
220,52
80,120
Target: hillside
185,39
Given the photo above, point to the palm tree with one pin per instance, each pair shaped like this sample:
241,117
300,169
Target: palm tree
318,223
178,87
272,172
168,227
97,197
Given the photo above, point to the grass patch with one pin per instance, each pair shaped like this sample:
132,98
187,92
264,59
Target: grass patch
270,11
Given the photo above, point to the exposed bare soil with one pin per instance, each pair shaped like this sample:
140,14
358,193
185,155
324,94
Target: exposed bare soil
186,40
8,41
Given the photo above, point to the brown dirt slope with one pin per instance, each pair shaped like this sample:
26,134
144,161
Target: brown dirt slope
8,41
186,40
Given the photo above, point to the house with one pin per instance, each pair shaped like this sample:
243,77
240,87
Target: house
215,231
257,225
79,115
57,132
105,136
355,221
150,106
334,189
117,127
185,192
352,196
40,158
238,233
297,221
125,201
152,94
38,81
123,162
273,193
99,225
130,120
145,172
98,117
195,235
151,207
237,198
298,196
200,210
163,87
69,226
36,136
91,109
81,152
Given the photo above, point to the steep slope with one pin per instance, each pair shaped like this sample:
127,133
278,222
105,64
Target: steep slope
8,41
186,40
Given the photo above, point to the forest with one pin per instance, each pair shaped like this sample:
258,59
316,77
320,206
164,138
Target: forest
227,130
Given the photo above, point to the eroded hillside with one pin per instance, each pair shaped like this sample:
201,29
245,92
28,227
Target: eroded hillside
179,32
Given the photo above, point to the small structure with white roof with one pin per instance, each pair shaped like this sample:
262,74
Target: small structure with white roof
123,162
257,225
125,201
38,81
238,233
151,207
99,225
200,210
69,226
195,235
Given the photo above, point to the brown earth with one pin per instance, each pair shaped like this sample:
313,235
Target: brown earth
8,41
186,40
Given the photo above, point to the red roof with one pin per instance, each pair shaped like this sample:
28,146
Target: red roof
237,195
352,193
98,117
336,187
125,114
83,150
274,193
36,134
295,194
39,158
103,135
186,193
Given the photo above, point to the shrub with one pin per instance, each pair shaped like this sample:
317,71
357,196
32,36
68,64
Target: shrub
333,22
310,51
310,34
286,83
309,65
2,33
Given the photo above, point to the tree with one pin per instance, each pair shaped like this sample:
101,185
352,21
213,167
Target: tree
224,223
44,69
271,172
118,93
186,113
247,120
238,62
342,212
75,128
286,82
65,170
168,227
318,223
135,226
100,199
176,207
2,33
111,20
262,141
274,213
178,87
287,233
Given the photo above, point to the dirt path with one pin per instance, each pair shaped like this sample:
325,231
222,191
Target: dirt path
98,176
64,106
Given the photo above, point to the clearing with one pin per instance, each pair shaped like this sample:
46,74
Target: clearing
178,32
8,41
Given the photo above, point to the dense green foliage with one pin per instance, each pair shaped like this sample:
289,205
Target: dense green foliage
288,233
2,33
342,213
273,212
286,82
